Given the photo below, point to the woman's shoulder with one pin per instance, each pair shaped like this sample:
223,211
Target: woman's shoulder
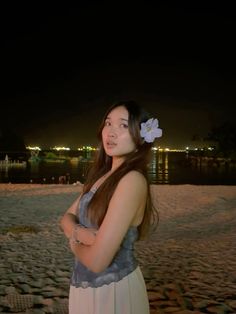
134,177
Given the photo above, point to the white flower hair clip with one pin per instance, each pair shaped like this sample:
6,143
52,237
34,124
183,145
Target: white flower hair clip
149,130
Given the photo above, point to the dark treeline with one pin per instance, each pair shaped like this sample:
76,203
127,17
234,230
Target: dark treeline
225,137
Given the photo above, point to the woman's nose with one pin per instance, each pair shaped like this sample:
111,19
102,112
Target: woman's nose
112,132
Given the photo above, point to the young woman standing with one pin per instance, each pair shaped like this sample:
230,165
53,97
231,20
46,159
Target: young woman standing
114,211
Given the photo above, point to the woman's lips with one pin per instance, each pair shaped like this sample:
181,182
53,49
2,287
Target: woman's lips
110,144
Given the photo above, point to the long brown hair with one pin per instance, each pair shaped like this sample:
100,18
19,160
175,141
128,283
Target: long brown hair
137,160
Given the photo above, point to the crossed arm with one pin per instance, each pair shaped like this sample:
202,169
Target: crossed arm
125,209
69,222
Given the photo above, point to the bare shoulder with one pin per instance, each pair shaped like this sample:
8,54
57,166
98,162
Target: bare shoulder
135,177
133,180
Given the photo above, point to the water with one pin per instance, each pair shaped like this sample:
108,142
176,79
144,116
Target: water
174,168
165,168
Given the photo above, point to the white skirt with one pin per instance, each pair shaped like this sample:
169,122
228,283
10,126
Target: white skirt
127,296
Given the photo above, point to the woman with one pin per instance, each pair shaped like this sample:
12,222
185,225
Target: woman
113,211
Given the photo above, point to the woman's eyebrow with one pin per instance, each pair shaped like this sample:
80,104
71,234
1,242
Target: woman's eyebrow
123,119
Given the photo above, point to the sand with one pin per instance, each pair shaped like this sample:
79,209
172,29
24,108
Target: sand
189,263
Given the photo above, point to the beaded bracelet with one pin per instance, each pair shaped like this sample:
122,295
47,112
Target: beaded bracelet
73,235
73,238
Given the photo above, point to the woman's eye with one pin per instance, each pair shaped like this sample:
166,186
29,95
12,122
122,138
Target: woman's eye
107,123
123,125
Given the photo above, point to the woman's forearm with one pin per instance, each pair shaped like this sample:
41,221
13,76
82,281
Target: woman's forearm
72,229
68,223
87,256
83,235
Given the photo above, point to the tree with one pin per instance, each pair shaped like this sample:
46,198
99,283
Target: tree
225,136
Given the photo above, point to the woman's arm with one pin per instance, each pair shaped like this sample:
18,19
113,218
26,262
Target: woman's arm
69,220
128,200
71,229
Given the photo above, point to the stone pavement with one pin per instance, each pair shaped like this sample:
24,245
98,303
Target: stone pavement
189,263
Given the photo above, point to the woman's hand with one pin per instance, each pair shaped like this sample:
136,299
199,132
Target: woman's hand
84,235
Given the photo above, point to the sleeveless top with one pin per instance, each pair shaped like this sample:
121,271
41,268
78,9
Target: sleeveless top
122,264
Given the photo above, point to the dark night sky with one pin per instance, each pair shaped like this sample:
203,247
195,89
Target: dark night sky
63,65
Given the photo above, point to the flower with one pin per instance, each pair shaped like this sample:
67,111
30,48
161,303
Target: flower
149,130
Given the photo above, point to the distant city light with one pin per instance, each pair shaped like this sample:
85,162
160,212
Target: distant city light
157,149
33,148
87,148
168,149
204,148
58,148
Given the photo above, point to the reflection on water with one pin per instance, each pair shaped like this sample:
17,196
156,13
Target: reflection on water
159,168
34,167
7,167
4,172
164,168
175,168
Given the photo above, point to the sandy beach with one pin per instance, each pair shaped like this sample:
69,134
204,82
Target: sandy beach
189,263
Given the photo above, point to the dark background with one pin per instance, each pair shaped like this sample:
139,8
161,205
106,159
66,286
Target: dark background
63,65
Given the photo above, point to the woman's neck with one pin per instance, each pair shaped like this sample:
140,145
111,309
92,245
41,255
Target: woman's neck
116,162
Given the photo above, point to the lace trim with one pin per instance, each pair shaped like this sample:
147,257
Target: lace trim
105,279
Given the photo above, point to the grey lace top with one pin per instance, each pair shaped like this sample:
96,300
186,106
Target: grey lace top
123,263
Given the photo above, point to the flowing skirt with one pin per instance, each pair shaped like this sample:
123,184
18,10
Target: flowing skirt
127,296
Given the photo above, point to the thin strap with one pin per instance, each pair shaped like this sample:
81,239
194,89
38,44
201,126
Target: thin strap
100,181
94,189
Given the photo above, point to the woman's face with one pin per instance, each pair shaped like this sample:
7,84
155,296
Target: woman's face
116,138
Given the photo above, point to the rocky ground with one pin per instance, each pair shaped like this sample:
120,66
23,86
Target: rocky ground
189,263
